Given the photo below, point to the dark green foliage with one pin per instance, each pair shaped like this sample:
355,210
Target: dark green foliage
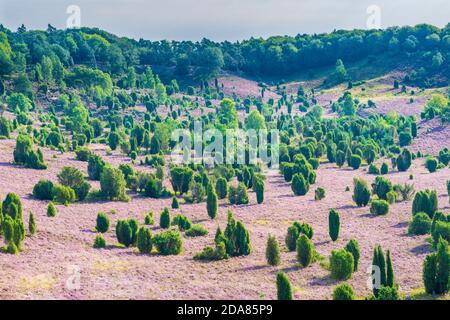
425,201
305,250
390,277
51,210
334,224
222,188
404,160
291,238
340,158
388,293
373,169
319,194
436,270
379,207
168,242
341,264
63,195
82,153
343,292
238,195
126,232
112,184
180,178
384,168
361,192
175,204
99,242
164,220
300,186
431,164
196,231
353,247
95,166
212,203
379,270
355,161
12,206
102,222
43,190
259,189
25,155
272,251
405,139
213,254
5,127
74,179
381,187
32,228
148,220
284,288
420,224
182,222
14,233
235,237
441,229
144,240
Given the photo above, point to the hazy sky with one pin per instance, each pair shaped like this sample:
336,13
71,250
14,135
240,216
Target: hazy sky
221,19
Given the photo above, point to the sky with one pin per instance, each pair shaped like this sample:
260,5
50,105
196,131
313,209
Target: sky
222,19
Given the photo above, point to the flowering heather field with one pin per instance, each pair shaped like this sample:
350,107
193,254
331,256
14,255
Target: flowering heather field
45,266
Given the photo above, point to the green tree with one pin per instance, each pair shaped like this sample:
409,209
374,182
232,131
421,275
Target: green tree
284,288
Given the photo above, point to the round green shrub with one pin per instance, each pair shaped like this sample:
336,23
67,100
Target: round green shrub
196,231
361,192
102,222
341,264
99,242
305,250
431,164
343,292
421,224
168,242
144,240
379,207
43,190
300,186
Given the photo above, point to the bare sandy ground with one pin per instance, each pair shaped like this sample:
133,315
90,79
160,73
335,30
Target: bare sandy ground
63,244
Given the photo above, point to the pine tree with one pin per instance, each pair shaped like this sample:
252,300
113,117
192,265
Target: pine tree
334,224
272,251
284,288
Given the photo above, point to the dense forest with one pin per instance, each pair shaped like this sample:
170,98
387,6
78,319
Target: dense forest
425,48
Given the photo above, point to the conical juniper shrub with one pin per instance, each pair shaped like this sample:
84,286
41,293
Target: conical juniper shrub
361,192
164,220
102,222
305,250
334,224
284,288
353,247
436,269
272,251
144,240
